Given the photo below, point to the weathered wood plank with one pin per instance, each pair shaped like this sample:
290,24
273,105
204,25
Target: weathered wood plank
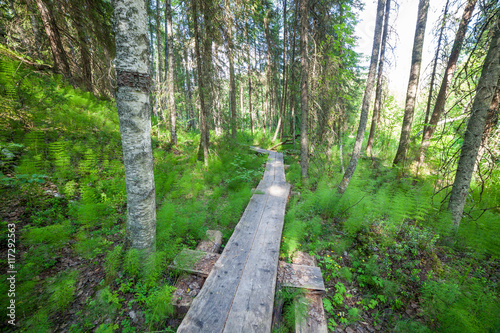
212,243
253,302
209,309
242,281
300,276
309,311
188,286
197,262
313,320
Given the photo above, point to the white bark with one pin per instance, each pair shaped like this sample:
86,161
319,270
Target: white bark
132,99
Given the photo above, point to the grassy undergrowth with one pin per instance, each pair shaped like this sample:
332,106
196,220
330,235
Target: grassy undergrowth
62,185
390,256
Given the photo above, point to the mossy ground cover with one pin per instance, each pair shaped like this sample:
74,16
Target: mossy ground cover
62,185
391,259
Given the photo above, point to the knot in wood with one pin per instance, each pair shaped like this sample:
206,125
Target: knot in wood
140,81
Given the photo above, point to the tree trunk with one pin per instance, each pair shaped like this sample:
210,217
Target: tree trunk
304,91
370,81
416,60
434,66
61,63
202,65
445,84
475,128
170,73
378,91
132,99
158,42
83,42
232,82
249,73
269,69
191,113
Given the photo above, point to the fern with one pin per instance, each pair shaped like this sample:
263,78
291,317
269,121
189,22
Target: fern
89,162
59,153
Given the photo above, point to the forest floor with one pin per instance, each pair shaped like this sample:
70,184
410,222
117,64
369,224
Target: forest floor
390,256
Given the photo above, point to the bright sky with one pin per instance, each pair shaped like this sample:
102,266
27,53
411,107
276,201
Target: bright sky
404,22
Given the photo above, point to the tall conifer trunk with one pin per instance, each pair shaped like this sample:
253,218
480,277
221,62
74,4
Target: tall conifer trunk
170,73
304,91
61,63
132,99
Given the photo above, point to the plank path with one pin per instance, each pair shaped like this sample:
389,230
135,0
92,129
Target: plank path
238,294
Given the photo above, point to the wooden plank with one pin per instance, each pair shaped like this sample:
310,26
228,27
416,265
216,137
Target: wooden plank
212,243
188,286
309,314
242,281
300,276
196,262
186,289
209,309
309,311
253,302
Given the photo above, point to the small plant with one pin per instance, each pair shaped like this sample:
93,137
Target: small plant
132,263
159,304
63,290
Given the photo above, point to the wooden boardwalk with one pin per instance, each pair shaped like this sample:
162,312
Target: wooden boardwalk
238,294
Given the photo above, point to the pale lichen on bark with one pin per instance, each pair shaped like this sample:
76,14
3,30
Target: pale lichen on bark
132,99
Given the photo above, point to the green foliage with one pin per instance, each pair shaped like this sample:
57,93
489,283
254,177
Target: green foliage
55,234
63,290
113,261
159,304
132,263
461,308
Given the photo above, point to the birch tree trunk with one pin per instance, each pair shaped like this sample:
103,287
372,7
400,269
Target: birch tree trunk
445,84
304,91
132,99
378,91
411,94
370,81
475,128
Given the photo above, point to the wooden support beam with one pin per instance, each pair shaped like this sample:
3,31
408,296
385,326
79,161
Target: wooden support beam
300,276
309,311
195,262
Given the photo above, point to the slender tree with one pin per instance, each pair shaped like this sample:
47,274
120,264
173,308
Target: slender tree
411,94
61,63
304,91
202,88
170,73
232,82
370,81
132,99
485,91
434,65
378,91
448,75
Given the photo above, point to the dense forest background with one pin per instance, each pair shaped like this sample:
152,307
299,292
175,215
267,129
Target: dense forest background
400,203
